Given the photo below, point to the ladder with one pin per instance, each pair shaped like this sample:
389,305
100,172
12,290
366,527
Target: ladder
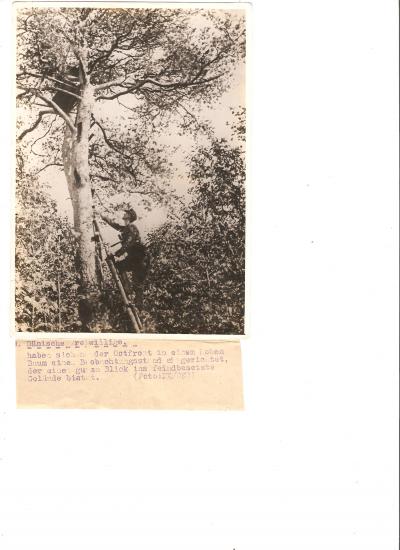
129,306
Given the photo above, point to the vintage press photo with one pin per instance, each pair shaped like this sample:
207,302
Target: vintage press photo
130,168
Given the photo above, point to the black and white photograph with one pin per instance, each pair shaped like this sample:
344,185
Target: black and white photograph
130,168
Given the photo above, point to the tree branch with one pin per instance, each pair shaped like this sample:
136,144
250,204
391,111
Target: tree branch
52,104
180,85
56,108
59,111
68,92
44,76
50,89
115,82
112,146
106,55
106,139
171,86
47,166
46,132
189,113
35,124
134,191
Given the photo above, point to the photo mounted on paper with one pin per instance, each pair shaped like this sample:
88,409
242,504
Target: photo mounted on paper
130,168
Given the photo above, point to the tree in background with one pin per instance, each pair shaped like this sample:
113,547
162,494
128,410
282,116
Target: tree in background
153,64
45,292
197,278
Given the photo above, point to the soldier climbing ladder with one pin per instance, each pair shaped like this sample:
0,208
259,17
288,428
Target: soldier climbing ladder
129,306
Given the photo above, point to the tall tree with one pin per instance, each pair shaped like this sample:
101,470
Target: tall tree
152,62
197,278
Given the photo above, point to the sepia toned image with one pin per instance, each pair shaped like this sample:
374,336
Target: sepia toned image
130,168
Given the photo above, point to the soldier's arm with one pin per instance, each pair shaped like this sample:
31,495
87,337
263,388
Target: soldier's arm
111,222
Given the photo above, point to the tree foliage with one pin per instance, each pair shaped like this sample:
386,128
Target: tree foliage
45,287
197,279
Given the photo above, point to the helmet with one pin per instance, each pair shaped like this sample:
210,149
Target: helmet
132,214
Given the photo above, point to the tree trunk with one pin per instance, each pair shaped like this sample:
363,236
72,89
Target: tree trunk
93,304
76,167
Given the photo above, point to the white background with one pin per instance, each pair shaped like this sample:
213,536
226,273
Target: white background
312,462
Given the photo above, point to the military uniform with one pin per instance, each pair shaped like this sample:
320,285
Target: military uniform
135,261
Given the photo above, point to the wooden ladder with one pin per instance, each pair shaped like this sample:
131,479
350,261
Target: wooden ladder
129,306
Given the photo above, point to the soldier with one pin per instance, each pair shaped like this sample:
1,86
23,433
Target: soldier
135,261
